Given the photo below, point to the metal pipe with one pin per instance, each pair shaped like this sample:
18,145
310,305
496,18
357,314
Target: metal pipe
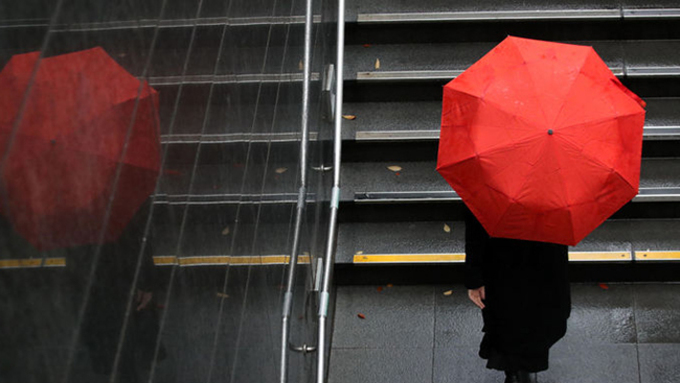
335,198
302,197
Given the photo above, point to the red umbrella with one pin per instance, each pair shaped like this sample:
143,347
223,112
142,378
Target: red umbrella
541,141
60,166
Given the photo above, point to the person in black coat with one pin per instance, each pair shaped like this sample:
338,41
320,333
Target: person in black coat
523,290
113,279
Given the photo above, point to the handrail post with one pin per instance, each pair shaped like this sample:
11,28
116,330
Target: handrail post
329,260
302,197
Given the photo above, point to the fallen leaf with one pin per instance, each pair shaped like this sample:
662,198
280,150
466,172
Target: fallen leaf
281,170
362,316
359,252
122,54
349,117
380,288
389,285
447,228
301,66
222,295
394,168
604,286
377,63
226,231
448,293
367,45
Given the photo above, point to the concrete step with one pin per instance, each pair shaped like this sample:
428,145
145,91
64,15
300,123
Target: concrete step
131,47
368,11
373,193
416,72
417,334
232,108
419,121
368,243
373,182
433,251
376,22
404,62
83,12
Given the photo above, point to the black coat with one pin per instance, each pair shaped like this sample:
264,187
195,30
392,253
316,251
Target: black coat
112,281
527,297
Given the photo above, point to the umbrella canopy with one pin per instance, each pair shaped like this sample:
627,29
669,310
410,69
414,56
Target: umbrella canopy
541,141
88,126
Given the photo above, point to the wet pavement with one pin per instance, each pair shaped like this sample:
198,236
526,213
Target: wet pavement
617,333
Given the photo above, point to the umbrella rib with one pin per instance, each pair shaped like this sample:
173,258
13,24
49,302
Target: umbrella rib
505,212
567,198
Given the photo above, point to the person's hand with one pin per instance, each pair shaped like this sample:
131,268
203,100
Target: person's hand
477,296
143,299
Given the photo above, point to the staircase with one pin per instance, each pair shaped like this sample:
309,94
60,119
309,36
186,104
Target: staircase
401,236
398,58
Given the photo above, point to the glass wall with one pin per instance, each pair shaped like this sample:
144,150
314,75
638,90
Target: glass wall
149,178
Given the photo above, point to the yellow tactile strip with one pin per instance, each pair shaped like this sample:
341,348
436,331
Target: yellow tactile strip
222,260
30,263
576,256
657,256
600,256
410,258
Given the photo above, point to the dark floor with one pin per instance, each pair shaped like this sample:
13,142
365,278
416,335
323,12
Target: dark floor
617,333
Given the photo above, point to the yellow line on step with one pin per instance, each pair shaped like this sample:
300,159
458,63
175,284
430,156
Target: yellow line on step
222,260
600,256
577,256
657,255
30,263
410,258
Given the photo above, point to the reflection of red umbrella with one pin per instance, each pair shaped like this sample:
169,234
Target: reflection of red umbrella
541,141
61,164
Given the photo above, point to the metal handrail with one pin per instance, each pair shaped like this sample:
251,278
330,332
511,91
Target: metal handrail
329,259
301,202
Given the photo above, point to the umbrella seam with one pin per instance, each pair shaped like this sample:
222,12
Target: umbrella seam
528,123
568,199
534,87
596,160
598,120
571,86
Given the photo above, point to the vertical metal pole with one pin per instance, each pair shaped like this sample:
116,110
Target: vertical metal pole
302,196
335,198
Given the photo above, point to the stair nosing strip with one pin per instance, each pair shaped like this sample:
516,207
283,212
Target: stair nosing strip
567,14
230,79
656,194
444,75
657,132
437,258
163,24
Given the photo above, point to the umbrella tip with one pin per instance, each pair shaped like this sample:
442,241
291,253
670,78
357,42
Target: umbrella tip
550,132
